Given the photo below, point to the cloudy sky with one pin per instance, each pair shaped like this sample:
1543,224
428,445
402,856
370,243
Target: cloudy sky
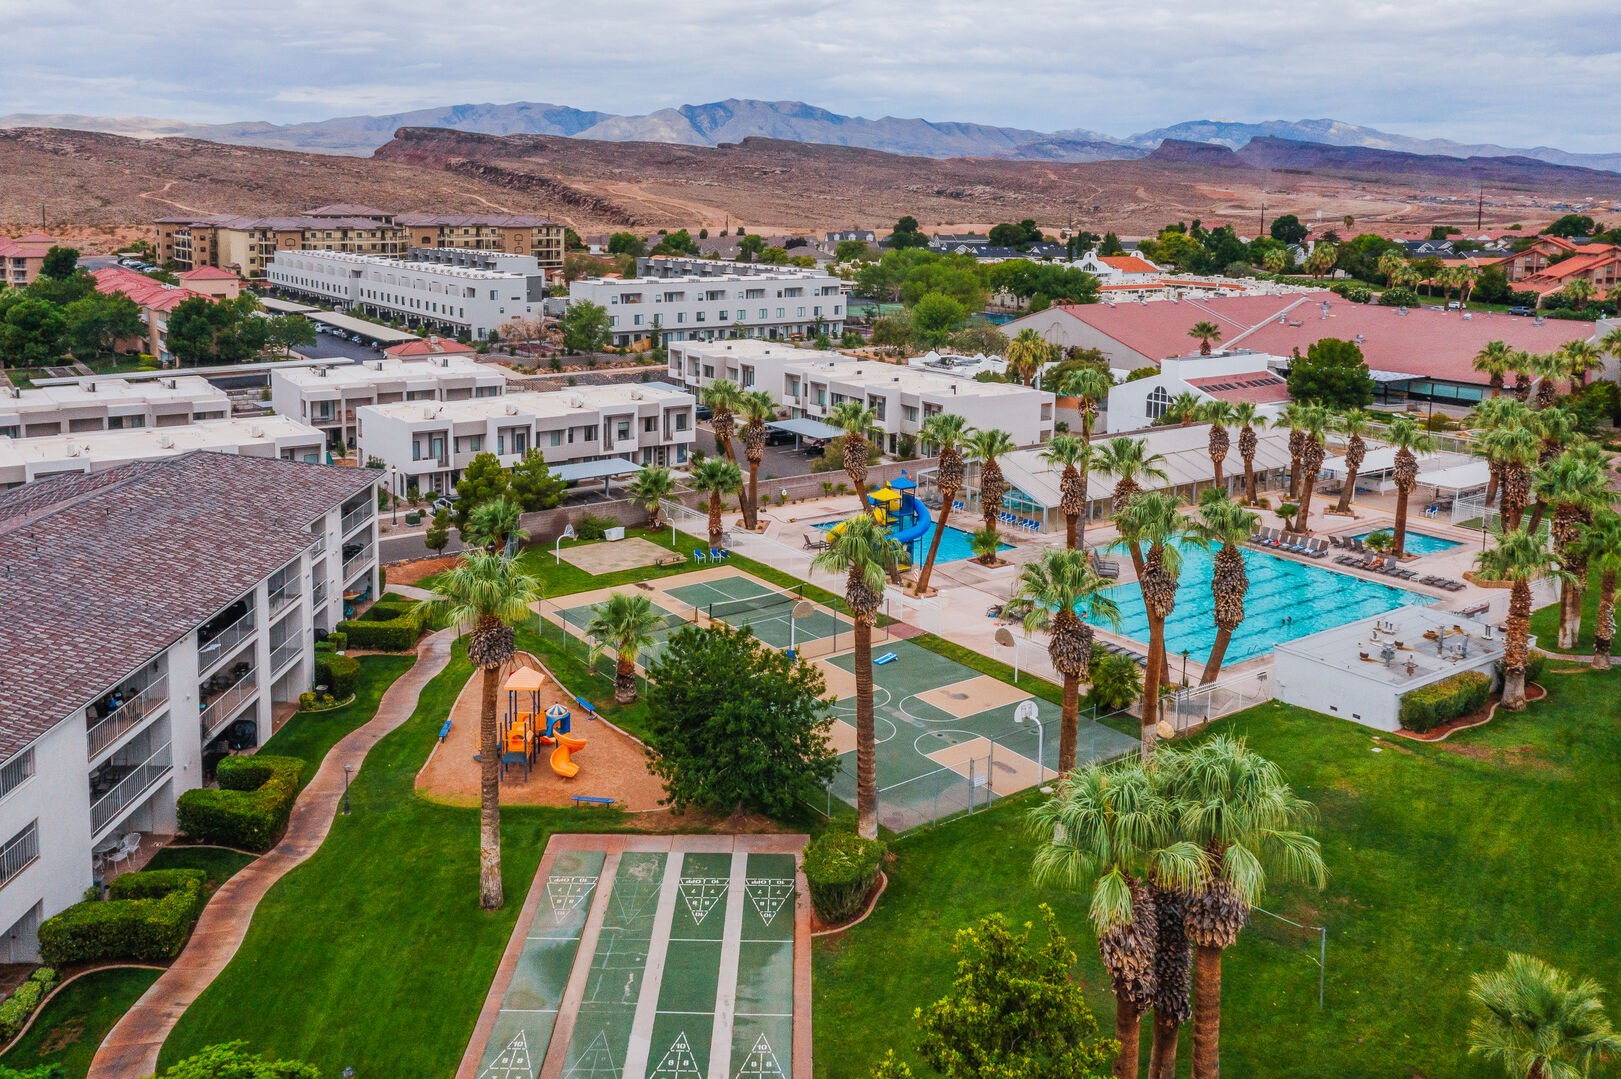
1502,71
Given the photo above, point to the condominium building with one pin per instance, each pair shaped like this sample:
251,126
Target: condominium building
155,612
157,300
450,299
26,460
109,404
326,397
22,258
702,300
428,444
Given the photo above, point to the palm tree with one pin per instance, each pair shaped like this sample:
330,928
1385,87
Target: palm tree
1494,360
1549,367
648,490
1574,484
1056,587
1510,451
862,550
1468,278
859,423
1183,409
1292,416
486,595
757,409
1090,387
1611,341
1219,415
1128,461
1226,526
1579,358
1151,523
1206,333
1236,806
721,396
1316,421
1074,456
1537,1023
1353,424
1322,258
626,623
985,445
1111,828
1603,543
944,431
1248,419
1391,264
494,524
1026,354
1409,440
1522,375
1519,558
1576,292
717,478
1276,260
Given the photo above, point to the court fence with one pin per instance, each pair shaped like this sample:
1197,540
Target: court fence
1195,706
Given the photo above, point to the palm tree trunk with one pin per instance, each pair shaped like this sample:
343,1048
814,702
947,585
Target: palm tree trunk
1491,487
751,505
866,744
1604,626
1162,1055
1069,724
1537,511
1128,1031
1303,518
934,544
714,520
1344,505
489,793
1398,544
1206,1012
1151,680
1218,652
624,680
1570,613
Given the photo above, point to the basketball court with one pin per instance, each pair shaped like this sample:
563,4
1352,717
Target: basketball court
654,957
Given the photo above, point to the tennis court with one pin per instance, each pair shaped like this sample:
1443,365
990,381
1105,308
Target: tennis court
744,602
654,958
578,617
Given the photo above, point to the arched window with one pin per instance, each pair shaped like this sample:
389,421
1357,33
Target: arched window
1158,402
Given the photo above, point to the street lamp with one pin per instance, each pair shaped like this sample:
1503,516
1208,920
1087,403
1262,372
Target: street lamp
393,491
346,769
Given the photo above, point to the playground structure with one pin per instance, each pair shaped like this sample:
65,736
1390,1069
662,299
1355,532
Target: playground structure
898,508
525,731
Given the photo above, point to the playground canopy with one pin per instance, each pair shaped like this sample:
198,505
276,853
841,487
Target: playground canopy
525,679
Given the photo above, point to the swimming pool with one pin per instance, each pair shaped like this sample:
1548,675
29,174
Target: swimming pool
1420,543
1286,599
955,545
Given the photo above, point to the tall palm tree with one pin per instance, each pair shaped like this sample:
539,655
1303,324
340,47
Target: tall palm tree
1549,367
1494,360
1026,354
1611,341
757,409
1129,462
721,396
986,445
648,490
626,623
1574,484
717,478
1490,415
1391,264
1510,451
862,551
1292,416
1410,440
1183,410
1236,806
1519,558
1219,415
1276,260
1580,357
1522,375
1152,524
486,595
945,432
1056,587
859,423
1248,419
1316,420
495,524
1603,543
1206,333
1226,526
1112,829
1556,431
1074,456
1538,1023
1090,388
1353,423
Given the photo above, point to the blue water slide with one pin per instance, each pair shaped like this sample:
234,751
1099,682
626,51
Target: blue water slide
925,523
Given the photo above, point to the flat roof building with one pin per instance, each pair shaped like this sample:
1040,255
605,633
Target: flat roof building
326,396
109,403
26,460
1232,377
702,300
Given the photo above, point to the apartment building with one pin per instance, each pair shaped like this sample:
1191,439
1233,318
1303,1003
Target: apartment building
809,382
215,570
327,397
157,300
496,261
247,245
109,404
27,460
22,258
428,444
448,299
702,300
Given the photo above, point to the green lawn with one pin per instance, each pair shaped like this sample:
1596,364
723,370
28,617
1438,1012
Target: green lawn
309,735
1441,858
1545,622
219,863
70,1028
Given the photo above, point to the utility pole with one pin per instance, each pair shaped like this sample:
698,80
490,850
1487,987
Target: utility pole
1480,209
1261,227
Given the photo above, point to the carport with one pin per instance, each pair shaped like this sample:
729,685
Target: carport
804,427
607,471
383,335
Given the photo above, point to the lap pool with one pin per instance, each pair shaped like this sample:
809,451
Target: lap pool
1286,599
1419,543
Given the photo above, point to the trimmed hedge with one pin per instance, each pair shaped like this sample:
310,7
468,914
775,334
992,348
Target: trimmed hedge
392,624
249,811
16,1009
841,869
145,919
339,674
1428,707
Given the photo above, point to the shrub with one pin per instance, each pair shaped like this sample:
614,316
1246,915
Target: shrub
339,674
1399,296
250,809
1117,681
392,624
148,916
1430,706
594,526
841,869
16,1009
1535,665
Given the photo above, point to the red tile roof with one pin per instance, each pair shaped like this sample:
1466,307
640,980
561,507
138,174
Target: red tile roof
141,289
208,273
429,346
1127,264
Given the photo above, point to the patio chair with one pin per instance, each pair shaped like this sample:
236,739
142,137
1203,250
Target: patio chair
127,846
699,556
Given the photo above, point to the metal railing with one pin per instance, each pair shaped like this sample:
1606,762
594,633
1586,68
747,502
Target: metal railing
124,794
351,566
20,853
212,653
354,517
281,597
128,715
283,652
318,595
225,705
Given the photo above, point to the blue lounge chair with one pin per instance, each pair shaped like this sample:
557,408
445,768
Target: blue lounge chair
699,556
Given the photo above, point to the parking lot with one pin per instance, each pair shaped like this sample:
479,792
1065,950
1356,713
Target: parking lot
778,460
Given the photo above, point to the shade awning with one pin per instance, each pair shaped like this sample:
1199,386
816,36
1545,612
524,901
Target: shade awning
1464,477
1375,461
525,679
595,470
382,334
805,427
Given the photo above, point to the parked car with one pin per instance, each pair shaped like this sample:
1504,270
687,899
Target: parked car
1519,310
705,412
778,438
1454,305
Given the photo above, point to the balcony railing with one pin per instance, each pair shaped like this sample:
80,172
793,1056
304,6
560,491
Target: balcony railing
20,853
223,707
128,715
352,566
354,517
127,790
318,595
284,653
223,643
281,597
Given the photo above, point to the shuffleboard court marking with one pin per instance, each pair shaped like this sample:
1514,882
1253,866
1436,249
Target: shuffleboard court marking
512,1063
700,894
677,1061
761,1062
647,1005
567,893
597,1062
769,895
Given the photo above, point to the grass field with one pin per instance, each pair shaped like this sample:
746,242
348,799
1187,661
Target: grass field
309,736
219,863
69,1028
1545,623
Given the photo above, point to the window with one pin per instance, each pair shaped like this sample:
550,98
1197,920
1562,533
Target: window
650,425
780,313
763,313
15,772
622,431
1158,401
20,852
680,421
557,438
724,315
909,411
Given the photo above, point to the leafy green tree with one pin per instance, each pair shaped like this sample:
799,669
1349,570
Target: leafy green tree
437,537
585,327
1334,373
907,234
233,1061
286,331
1016,1010
852,251
97,322
571,239
60,263
934,317
532,484
740,727
626,243
749,247
1111,245
1287,229
482,481
33,333
679,242
1571,225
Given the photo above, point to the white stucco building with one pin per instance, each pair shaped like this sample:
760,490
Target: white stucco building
25,460
109,404
701,300
1226,376
179,600
326,397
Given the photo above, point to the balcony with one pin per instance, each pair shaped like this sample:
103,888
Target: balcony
116,787
284,653
134,711
355,517
222,644
224,706
282,597
318,595
354,563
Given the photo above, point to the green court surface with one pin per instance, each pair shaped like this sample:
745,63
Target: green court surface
744,602
653,958
580,617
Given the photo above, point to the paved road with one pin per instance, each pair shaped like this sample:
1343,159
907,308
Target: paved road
330,346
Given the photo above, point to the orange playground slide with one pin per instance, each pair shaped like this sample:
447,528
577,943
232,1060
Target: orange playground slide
561,760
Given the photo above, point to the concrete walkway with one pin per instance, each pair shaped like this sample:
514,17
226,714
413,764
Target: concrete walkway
130,1049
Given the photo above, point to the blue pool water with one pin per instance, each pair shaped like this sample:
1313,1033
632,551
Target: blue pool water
1286,599
954,545
1420,543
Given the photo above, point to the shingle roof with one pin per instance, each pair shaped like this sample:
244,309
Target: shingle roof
102,572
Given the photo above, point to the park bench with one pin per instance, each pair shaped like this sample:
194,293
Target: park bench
444,732
589,799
